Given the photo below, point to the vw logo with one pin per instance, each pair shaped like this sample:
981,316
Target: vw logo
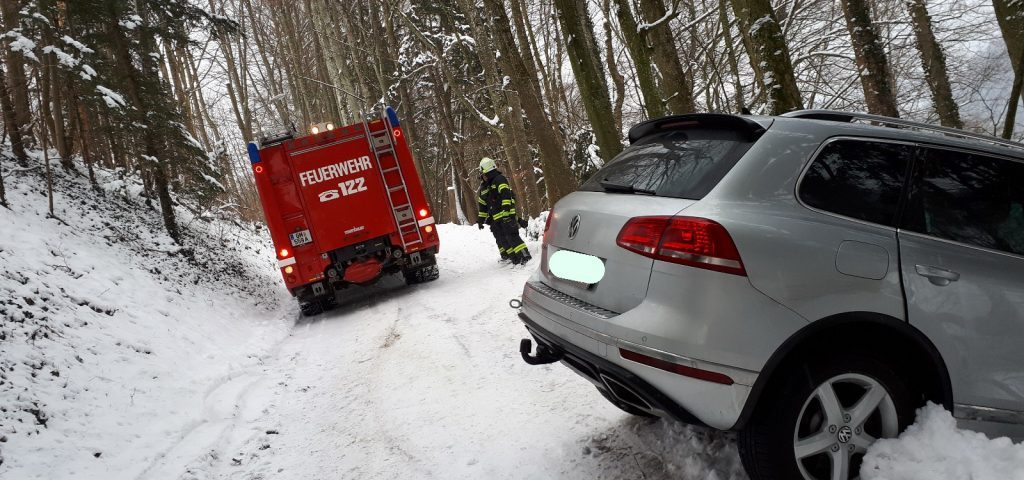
845,434
574,226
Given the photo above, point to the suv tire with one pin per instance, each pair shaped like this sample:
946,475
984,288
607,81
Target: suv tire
796,409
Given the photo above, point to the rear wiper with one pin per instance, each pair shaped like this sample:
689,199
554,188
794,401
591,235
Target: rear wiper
610,186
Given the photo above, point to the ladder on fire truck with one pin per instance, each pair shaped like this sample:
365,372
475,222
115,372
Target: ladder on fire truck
378,132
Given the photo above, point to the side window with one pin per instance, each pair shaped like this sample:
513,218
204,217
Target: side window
858,179
971,199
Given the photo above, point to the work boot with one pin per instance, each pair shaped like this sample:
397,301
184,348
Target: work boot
525,256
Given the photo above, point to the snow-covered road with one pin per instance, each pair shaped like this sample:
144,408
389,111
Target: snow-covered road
426,382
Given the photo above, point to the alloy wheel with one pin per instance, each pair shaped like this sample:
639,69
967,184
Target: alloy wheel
839,420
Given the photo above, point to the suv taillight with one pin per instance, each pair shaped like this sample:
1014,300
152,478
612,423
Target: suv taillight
697,242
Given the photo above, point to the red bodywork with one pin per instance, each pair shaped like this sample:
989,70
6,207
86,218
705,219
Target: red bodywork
337,185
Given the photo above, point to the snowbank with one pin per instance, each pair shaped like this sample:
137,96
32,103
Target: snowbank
113,338
934,449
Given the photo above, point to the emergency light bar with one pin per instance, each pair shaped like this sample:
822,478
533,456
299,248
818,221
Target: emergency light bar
321,127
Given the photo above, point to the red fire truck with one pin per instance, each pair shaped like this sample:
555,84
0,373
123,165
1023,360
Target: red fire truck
344,205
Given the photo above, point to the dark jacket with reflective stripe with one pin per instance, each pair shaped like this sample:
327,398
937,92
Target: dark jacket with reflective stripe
496,200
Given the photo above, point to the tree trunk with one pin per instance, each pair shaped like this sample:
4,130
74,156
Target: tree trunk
10,122
769,54
557,177
730,53
618,80
872,62
933,61
641,55
16,79
44,94
85,134
509,112
1015,96
55,109
676,87
586,64
151,144
1010,15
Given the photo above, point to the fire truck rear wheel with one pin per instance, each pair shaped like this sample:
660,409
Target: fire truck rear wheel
311,308
421,275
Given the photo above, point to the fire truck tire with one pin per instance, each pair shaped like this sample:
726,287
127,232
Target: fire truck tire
421,275
311,308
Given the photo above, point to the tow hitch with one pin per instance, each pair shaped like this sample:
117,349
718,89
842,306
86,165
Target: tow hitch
544,354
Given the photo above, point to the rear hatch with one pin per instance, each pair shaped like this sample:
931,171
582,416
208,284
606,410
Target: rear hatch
669,168
340,184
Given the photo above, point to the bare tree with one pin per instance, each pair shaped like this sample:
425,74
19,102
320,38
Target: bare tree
585,59
1010,15
875,75
769,54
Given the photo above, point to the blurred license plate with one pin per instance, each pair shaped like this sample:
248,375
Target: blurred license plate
300,238
576,267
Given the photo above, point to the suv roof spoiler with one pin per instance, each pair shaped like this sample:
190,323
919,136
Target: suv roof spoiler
851,117
746,125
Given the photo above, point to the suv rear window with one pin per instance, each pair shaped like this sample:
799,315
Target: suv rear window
858,179
676,163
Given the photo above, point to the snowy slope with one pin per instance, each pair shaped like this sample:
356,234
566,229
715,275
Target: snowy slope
113,337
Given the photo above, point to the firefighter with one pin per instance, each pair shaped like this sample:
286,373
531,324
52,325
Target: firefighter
497,207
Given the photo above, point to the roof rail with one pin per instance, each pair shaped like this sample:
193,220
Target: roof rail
850,117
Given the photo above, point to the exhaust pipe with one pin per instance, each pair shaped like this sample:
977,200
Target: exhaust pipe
626,394
544,354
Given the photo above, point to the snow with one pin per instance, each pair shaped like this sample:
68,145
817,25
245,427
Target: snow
62,57
760,23
87,72
75,43
22,44
115,339
933,448
132,22
112,98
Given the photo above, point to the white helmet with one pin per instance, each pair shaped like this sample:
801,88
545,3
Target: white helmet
487,164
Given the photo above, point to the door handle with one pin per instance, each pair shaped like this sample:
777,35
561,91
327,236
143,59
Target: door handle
938,276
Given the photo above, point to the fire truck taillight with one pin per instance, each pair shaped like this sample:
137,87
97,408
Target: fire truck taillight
430,228
283,253
424,212
288,269
258,168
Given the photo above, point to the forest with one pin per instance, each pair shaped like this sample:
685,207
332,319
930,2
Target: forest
169,92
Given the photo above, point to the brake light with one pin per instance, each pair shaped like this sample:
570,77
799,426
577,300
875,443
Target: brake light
283,253
697,242
288,269
424,213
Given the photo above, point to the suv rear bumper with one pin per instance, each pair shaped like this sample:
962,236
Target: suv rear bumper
591,353
609,377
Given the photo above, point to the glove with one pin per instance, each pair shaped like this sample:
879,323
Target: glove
480,225
523,223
